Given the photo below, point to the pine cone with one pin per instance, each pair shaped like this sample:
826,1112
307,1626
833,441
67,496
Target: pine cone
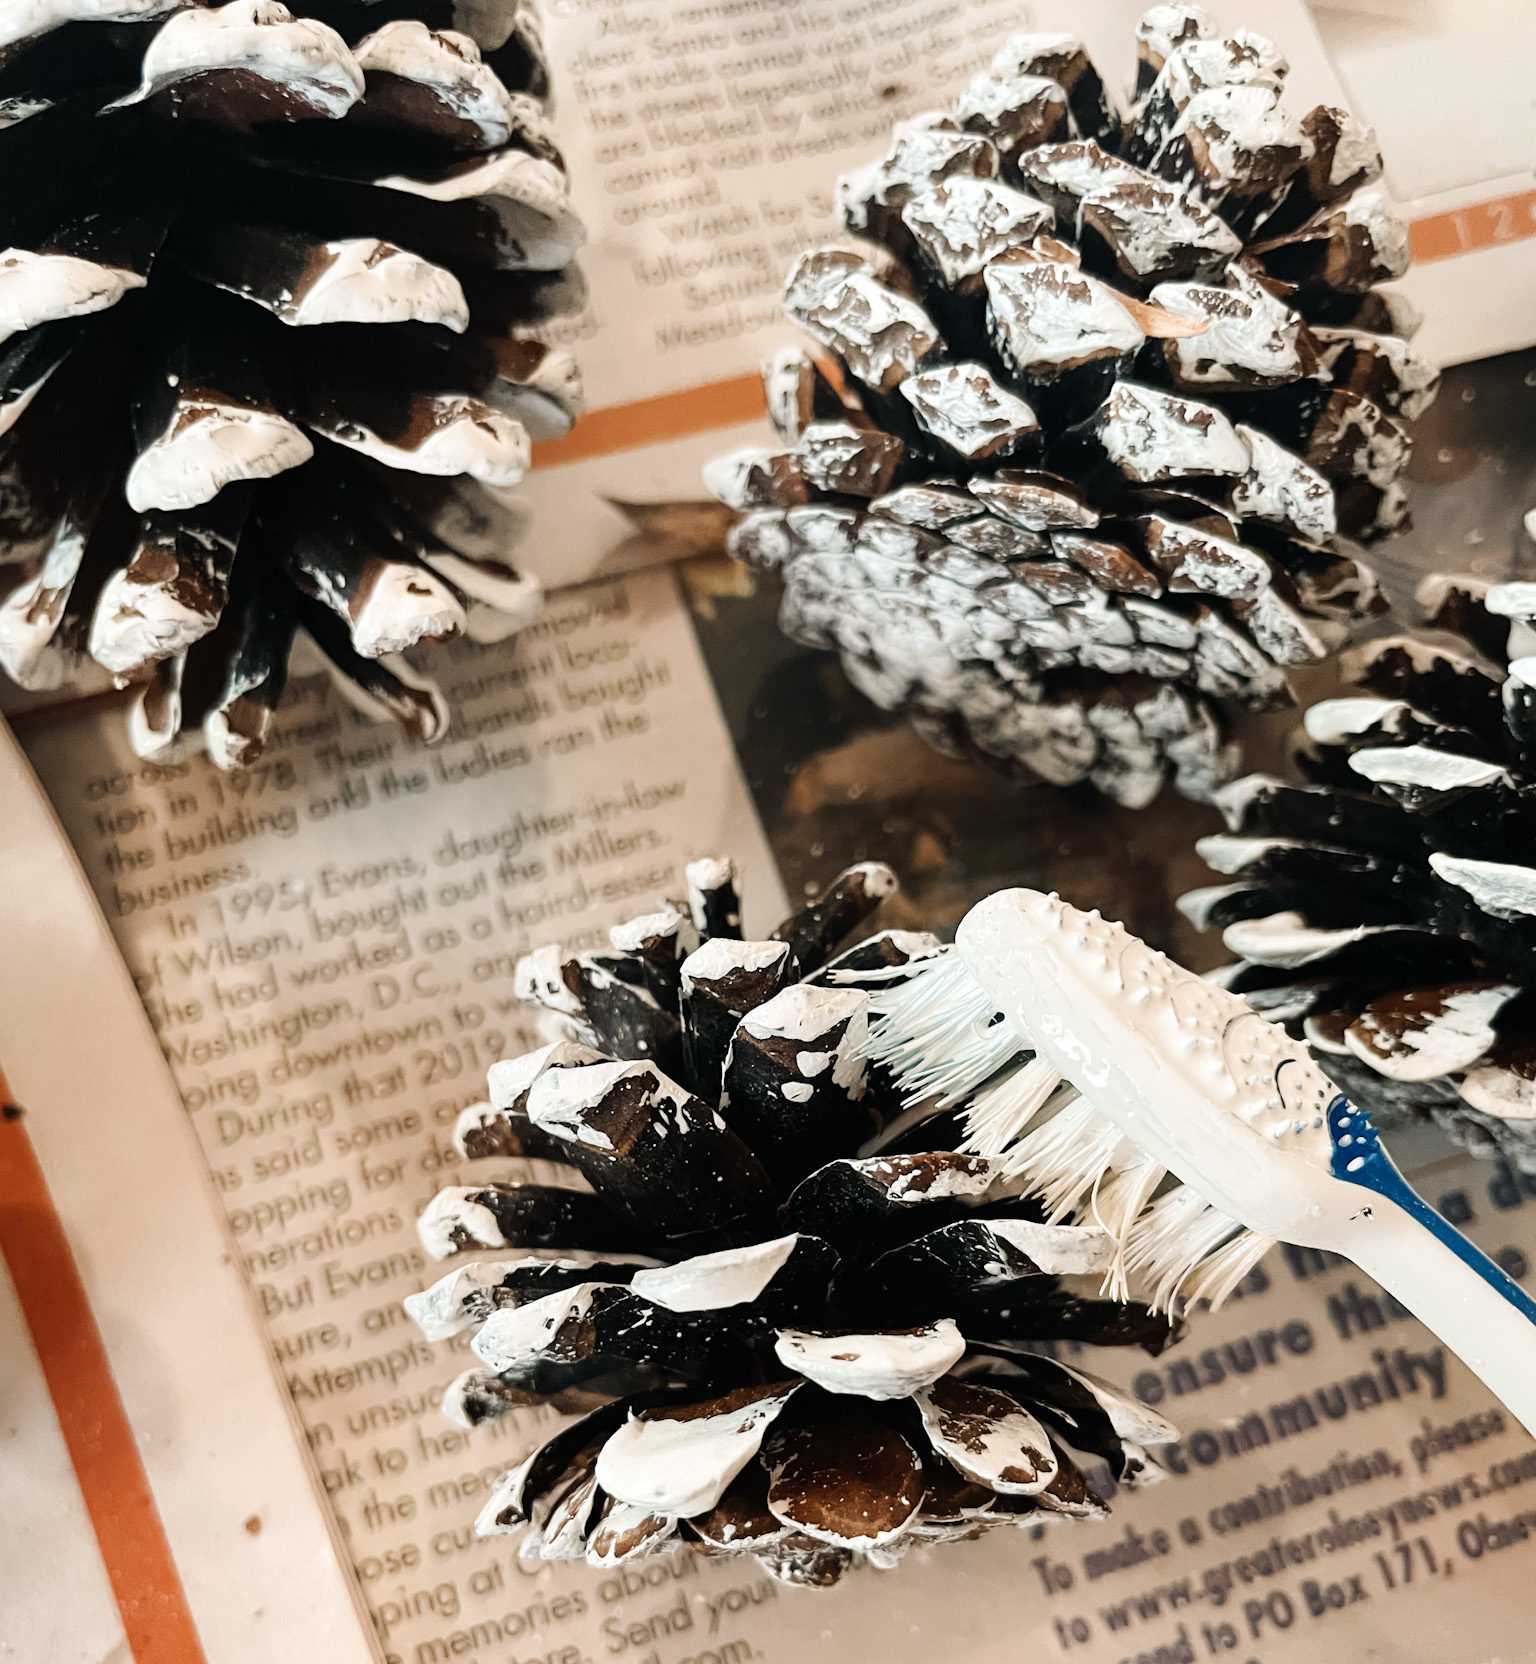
267,285
1109,401
784,1348
1387,909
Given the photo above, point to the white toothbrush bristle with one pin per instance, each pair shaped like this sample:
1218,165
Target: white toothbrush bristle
1067,1157
1218,1274
1169,1241
1117,1204
943,1037
999,1113
939,1033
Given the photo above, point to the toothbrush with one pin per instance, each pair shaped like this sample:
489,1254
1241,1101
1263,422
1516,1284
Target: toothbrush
1095,1067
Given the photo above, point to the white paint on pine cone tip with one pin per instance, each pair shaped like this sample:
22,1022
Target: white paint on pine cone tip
1238,123
1423,657
1498,1090
462,435
425,717
1078,167
1423,766
708,1282
453,1217
561,1101
1357,151
1129,1417
1286,941
965,1177
537,980
137,623
37,288
1061,1250
448,65
1431,593
517,1336
722,954
1502,888
807,1012
1227,853
1153,220
492,22
515,174
263,38
633,934
966,407
1515,600
1151,434
208,445
1279,485
1247,329
708,873
155,714
227,745
879,879
25,19
878,1366
1333,721
682,1465
1374,212
10,413
509,1079
1051,313
1425,1044
365,281
1030,46
1196,65
30,654
728,477
403,605
1009,1452
450,1305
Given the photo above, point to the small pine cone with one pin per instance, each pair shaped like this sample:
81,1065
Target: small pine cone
1387,910
784,1348
268,285
1109,407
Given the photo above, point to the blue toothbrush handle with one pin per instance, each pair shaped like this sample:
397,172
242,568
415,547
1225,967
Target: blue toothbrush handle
1452,1286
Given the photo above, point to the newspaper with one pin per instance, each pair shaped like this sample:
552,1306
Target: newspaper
324,945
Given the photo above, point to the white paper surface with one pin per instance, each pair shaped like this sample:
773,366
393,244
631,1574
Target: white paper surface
85,1629
215,1434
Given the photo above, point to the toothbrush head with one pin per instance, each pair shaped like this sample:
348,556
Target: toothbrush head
1195,1078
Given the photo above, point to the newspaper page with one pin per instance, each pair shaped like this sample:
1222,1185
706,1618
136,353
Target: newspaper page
159,1482
324,945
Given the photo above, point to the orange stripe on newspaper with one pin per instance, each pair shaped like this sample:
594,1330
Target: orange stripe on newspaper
626,427
1480,225
134,1550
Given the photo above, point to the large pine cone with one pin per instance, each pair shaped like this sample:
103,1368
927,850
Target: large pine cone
784,1348
1387,910
266,282
1109,399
